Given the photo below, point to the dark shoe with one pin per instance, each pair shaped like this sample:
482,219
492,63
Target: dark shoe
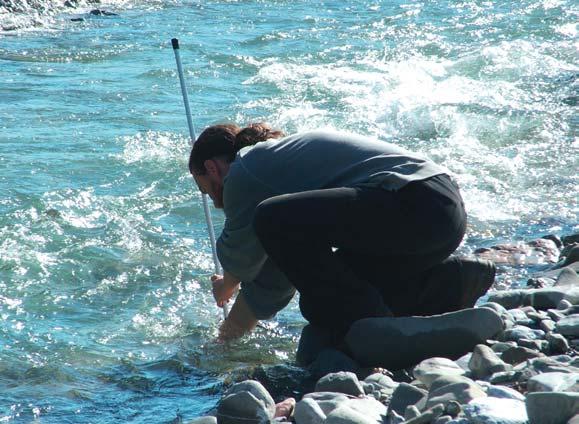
477,276
396,343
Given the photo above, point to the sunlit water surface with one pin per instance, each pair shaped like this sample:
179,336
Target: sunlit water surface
105,300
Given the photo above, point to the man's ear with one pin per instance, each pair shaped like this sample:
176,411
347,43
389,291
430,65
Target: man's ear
211,167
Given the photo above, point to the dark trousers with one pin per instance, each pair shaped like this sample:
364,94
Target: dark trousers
363,252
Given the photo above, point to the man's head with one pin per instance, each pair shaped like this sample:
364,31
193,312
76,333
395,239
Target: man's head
216,148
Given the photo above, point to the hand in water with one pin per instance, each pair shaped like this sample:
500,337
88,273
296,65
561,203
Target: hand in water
223,289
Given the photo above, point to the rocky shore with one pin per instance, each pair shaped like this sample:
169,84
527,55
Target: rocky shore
511,360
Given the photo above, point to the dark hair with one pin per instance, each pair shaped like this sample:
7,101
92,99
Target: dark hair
224,141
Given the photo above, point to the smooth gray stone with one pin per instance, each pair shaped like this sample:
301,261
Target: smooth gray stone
428,416
307,411
463,361
554,382
548,325
551,364
485,362
551,407
574,420
346,415
504,392
550,298
497,307
405,395
506,377
569,326
370,407
568,277
452,408
411,412
242,406
557,343
328,401
395,343
555,315
501,347
495,411
520,317
381,382
520,332
204,420
331,361
458,389
312,341
340,382
536,345
570,239
430,369
444,419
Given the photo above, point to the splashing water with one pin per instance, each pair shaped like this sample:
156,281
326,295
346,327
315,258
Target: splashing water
107,314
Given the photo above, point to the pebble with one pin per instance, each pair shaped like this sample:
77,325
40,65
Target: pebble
557,343
430,369
405,395
516,355
569,326
521,332
495,411
453,388
346,415
551,407
307,411
340,382
547,325
381,382
427,416
484,362
500,347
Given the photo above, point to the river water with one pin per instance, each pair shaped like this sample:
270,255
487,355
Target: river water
105,300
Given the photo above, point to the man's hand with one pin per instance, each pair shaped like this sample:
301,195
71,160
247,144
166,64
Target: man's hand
224,287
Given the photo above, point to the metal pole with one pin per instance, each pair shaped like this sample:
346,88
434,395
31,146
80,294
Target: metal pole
217,266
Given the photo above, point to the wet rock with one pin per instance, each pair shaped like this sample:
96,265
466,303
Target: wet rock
340,382
417,338
101,12
563,305
510,299
569,326
331,361
531,253
537,345
453,388
77,19
307,411
404,396
555,315
452,409
551,407
430,369
444,419
495,411
520,317
554,382
485,362
312,341
570,239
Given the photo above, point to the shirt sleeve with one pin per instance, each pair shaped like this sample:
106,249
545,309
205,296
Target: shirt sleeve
239,250
268,293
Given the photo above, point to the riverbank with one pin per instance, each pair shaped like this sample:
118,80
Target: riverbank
526,372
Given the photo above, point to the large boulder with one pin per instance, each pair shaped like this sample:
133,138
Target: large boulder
551,407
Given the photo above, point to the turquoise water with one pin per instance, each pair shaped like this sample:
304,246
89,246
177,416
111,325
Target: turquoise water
106,308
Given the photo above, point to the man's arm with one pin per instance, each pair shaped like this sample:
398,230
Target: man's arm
239,322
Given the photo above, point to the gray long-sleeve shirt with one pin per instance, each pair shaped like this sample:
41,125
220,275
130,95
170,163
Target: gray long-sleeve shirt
305,161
